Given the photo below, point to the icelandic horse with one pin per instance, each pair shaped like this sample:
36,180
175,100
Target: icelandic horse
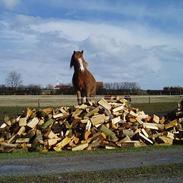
83,81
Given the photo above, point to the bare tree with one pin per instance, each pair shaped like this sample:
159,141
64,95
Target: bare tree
14,79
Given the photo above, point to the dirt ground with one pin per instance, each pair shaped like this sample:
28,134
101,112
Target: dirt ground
89,162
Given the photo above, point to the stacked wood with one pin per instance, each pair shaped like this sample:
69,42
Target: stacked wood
105,124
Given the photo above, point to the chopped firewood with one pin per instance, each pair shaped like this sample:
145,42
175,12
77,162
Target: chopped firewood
33,122
109,147
139,120
22,121
134,143
47,124
145,133
12,139
171,124
162,120
98,119
104,104
8,144
116,120
52,135
22,140
150,126
109,133
132,113
126,139
48,110
88,125
119,108
58,115
62,144
92,112
166,140
21,130
76,113
170,135
156,119
80,147
147,140
128,132
105,124
7,120
29,113
3,125
52,142
87,134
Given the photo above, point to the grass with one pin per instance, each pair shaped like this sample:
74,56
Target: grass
146,173
23,154
156,108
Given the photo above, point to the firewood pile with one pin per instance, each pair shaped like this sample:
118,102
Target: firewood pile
108,123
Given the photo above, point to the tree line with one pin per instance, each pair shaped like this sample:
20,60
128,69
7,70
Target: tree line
14,86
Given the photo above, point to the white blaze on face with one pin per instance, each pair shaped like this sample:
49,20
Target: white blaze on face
81,64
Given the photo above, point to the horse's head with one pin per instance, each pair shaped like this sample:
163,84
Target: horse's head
77,60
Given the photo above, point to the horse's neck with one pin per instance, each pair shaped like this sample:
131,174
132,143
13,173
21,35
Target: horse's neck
77,70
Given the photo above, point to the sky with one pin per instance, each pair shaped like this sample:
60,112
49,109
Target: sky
123,40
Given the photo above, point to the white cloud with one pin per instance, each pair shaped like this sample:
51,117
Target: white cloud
10,4
41,49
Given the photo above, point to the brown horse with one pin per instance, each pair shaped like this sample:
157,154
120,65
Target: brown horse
83,81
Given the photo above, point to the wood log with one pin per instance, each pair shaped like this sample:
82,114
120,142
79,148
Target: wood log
55,116
3,125
166,140
171,124
98,119
22,122
80,147
21,130
156,118
134,143
92,112
22,140
104,104
117,109
48,110
145,133
116,120
128,132
150,126
109,133
62,144
32,123
47,124
143,137
52,142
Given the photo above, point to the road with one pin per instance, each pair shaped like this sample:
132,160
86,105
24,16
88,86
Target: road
89,162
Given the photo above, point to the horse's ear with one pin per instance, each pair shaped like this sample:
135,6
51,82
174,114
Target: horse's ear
74,51
82,51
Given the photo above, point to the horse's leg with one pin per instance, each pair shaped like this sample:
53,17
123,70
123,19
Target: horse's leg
83,98
87,95
79,97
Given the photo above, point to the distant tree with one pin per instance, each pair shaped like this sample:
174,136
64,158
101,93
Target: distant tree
14,79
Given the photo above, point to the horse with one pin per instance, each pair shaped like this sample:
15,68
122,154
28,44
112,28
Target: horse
83,81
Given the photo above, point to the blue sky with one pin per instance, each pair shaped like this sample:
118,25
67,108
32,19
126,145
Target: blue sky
123,40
